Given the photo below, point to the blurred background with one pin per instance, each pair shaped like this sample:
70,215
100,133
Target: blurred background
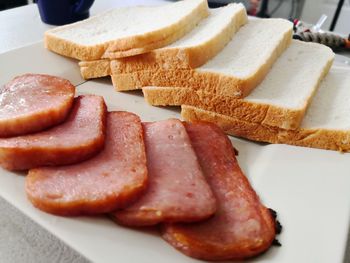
308,11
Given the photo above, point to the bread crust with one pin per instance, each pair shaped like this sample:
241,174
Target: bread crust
265,114
239,108
182,57
168,57
337,140
176,32
210,82
220,84
94,69
126,46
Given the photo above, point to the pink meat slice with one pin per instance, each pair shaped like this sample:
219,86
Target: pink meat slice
177,190
34,102
80,137
242,227
112,179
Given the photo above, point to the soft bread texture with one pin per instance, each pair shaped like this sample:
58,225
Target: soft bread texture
126,31
280,100
326,124
234,72
193,50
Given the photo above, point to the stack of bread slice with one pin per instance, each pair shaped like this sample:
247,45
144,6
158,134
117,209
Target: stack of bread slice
326,124
126,31
247,76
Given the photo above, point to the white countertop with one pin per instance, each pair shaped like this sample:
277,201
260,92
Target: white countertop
21,239
22,26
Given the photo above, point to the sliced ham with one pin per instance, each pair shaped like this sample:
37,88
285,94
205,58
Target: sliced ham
80,137
110,180
177,190
34,102
242,227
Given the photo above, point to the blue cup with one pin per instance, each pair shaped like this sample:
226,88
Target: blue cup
60,12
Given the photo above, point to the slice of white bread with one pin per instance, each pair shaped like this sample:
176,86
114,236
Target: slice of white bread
280,100
193,50
126,31
234,72
326,124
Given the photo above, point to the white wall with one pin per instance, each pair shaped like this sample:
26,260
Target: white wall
285,9
313,9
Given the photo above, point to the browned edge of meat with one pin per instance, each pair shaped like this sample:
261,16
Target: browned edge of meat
54,95
111,180
242,227
80,137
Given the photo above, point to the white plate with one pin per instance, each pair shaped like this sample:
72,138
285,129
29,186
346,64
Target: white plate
308,187
341,61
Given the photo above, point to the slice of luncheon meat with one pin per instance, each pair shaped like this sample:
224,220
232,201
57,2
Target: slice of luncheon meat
81,136
34,102
177,190
242,227
110,180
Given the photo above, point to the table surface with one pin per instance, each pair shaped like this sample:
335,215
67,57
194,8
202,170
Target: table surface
21,239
